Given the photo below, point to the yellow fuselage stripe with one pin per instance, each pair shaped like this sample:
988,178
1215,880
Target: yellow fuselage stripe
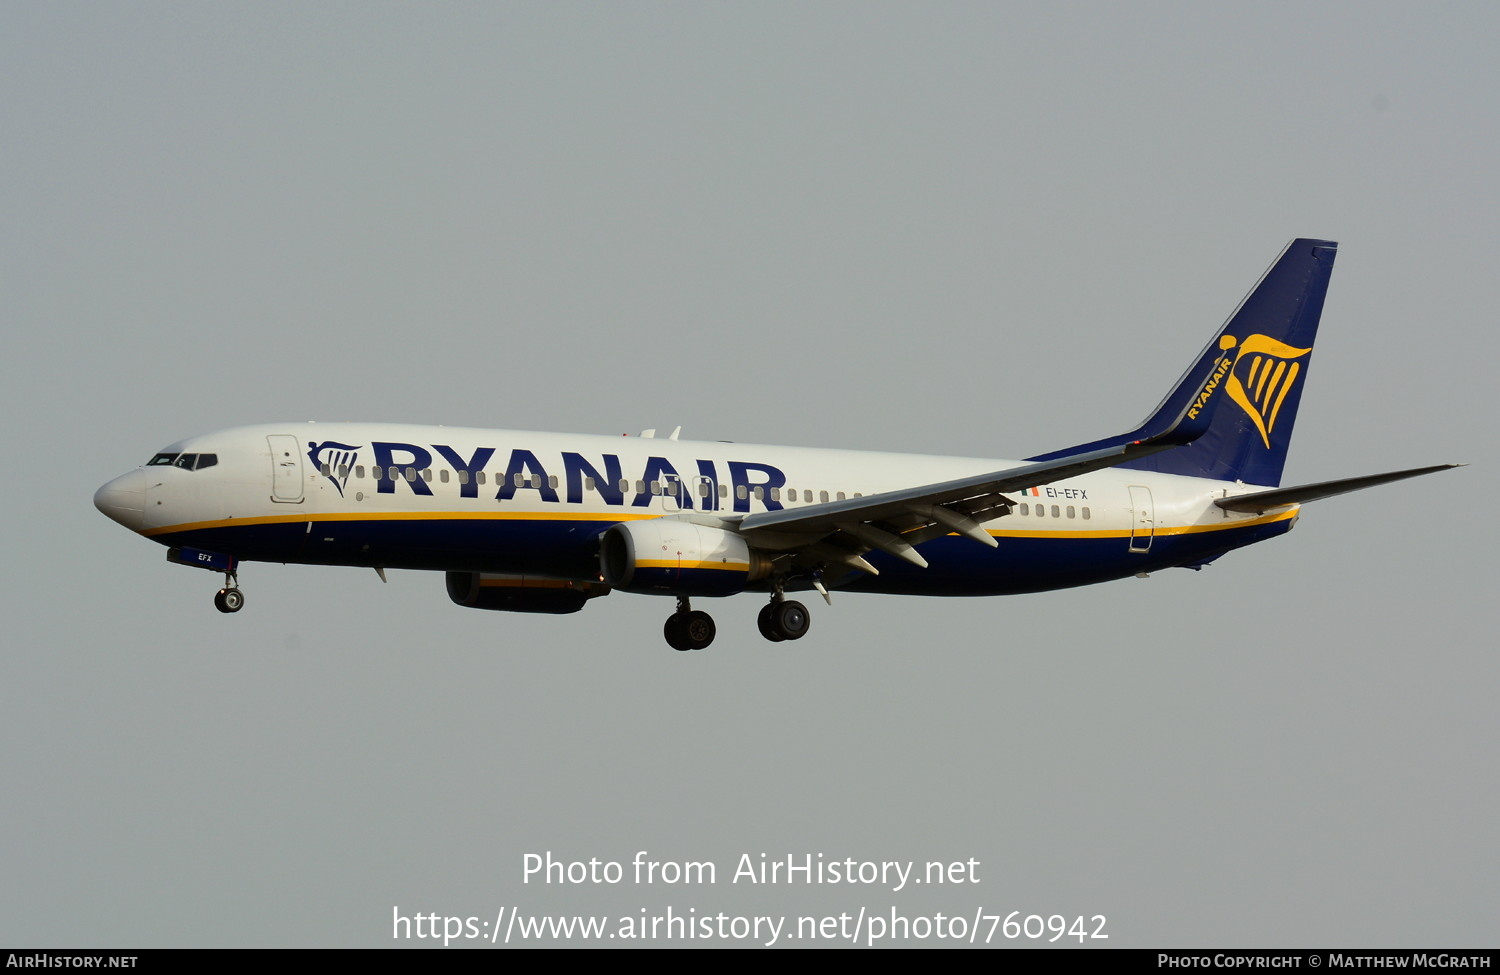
611,516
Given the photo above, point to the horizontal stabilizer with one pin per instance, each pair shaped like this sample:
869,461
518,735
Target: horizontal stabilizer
1281,497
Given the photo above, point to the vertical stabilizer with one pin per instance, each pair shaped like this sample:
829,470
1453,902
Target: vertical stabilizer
1257,364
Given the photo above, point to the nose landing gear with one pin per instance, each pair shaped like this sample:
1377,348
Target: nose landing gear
229,599
226,600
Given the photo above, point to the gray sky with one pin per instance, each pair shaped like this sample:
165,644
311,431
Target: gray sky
980,229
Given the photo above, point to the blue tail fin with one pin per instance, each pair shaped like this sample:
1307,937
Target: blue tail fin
1266,346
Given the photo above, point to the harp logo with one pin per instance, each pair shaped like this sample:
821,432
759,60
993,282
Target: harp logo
334,460
1264,373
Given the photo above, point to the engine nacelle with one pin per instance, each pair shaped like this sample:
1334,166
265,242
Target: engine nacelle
521,594
671,555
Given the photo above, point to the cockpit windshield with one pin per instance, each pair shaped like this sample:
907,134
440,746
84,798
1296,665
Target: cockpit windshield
188,462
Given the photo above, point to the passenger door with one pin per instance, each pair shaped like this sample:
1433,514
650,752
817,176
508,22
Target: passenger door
286,468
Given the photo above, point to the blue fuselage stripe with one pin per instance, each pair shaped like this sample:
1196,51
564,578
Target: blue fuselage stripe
570,549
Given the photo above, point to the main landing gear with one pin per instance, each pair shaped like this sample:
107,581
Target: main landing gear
689,629
229,599
781,619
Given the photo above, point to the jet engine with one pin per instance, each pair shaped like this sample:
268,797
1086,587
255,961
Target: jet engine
672,555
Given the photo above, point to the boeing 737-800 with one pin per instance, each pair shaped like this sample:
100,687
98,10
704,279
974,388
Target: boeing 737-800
545,522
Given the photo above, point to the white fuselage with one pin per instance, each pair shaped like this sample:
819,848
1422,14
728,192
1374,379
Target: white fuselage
504,501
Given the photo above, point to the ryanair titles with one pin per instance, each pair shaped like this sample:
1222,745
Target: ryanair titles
568,477
1220,368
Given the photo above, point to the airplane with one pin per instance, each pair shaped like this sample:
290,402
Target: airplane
544,522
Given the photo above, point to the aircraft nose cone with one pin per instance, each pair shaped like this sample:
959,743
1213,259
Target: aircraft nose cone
124,499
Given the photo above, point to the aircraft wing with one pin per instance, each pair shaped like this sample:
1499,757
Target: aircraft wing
840,532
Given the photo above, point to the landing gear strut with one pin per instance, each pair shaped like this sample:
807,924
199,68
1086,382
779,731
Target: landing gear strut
229,599
689,629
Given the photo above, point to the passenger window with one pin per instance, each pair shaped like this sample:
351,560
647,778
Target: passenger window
656,487
624,485
443,475
411,473
1070,511
479,478
359,471
343,469
759,493
776,494
376,472
1085,513
703,488
724,490
427,474
740,492
1025,509
518,480
1041,511
1054,511
463,477
640,487
325,470
552,481
823,496
840,495
588,483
